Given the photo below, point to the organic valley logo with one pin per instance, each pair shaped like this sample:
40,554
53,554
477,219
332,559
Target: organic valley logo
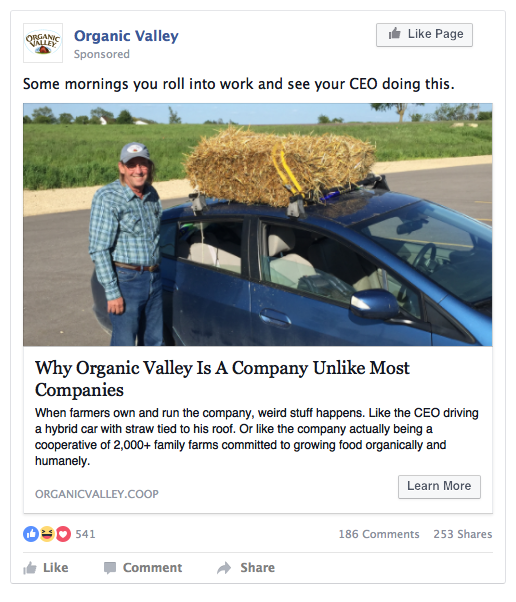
43,41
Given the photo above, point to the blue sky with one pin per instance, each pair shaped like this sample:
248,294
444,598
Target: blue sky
244,114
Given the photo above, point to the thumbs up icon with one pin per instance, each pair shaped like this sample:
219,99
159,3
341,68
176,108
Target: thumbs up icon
394,34
30,534
31,569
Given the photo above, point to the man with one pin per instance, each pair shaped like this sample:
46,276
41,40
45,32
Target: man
124,244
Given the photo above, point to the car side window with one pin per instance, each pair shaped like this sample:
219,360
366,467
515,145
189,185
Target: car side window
167,239
308,262
212,243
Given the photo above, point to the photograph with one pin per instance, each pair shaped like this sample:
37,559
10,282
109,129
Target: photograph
257,224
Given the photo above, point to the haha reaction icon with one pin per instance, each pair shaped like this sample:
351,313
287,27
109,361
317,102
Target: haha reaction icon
47,534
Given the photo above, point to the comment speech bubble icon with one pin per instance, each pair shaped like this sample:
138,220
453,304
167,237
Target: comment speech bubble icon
109,567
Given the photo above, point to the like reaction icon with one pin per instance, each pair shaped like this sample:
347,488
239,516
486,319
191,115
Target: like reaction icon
63,534
394,34
30,534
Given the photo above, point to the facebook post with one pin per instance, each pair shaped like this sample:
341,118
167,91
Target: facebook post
299,205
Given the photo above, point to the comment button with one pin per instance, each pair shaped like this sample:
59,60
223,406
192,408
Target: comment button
424,34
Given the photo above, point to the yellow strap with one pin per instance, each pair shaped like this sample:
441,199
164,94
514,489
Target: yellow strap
280,173
291,175
284,179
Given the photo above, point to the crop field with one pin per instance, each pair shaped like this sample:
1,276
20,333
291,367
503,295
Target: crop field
66,156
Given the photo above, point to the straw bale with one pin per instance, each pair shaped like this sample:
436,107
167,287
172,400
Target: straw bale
237,165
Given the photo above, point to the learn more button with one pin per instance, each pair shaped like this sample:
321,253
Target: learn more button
445,487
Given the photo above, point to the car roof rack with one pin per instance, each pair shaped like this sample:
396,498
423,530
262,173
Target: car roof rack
377,182
296,206
198,202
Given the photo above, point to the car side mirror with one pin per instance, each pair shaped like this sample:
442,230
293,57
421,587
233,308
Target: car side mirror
375,304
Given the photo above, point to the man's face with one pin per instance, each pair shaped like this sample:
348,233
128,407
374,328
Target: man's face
135,172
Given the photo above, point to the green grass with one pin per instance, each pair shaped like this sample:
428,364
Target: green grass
65,156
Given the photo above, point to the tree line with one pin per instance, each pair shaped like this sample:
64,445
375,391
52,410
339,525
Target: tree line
446,112
45,115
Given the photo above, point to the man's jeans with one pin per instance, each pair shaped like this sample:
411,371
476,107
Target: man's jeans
142,319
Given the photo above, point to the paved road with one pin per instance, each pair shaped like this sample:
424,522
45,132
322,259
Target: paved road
57,268
465,189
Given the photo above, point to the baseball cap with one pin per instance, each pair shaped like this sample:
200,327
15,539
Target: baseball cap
132,150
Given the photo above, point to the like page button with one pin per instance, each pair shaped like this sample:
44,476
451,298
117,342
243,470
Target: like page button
424,34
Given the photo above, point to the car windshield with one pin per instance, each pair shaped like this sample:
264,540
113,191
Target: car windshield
449,248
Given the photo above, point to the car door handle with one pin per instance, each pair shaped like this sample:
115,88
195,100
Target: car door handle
269,316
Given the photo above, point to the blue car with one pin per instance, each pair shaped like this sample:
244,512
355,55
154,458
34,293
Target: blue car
368,267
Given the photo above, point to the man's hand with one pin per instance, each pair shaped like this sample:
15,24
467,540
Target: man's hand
116,306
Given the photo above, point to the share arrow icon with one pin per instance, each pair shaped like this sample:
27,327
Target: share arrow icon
225,567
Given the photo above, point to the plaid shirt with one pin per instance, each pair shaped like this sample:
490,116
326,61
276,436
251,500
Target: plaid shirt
123,228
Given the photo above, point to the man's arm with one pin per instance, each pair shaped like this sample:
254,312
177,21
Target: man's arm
103,230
